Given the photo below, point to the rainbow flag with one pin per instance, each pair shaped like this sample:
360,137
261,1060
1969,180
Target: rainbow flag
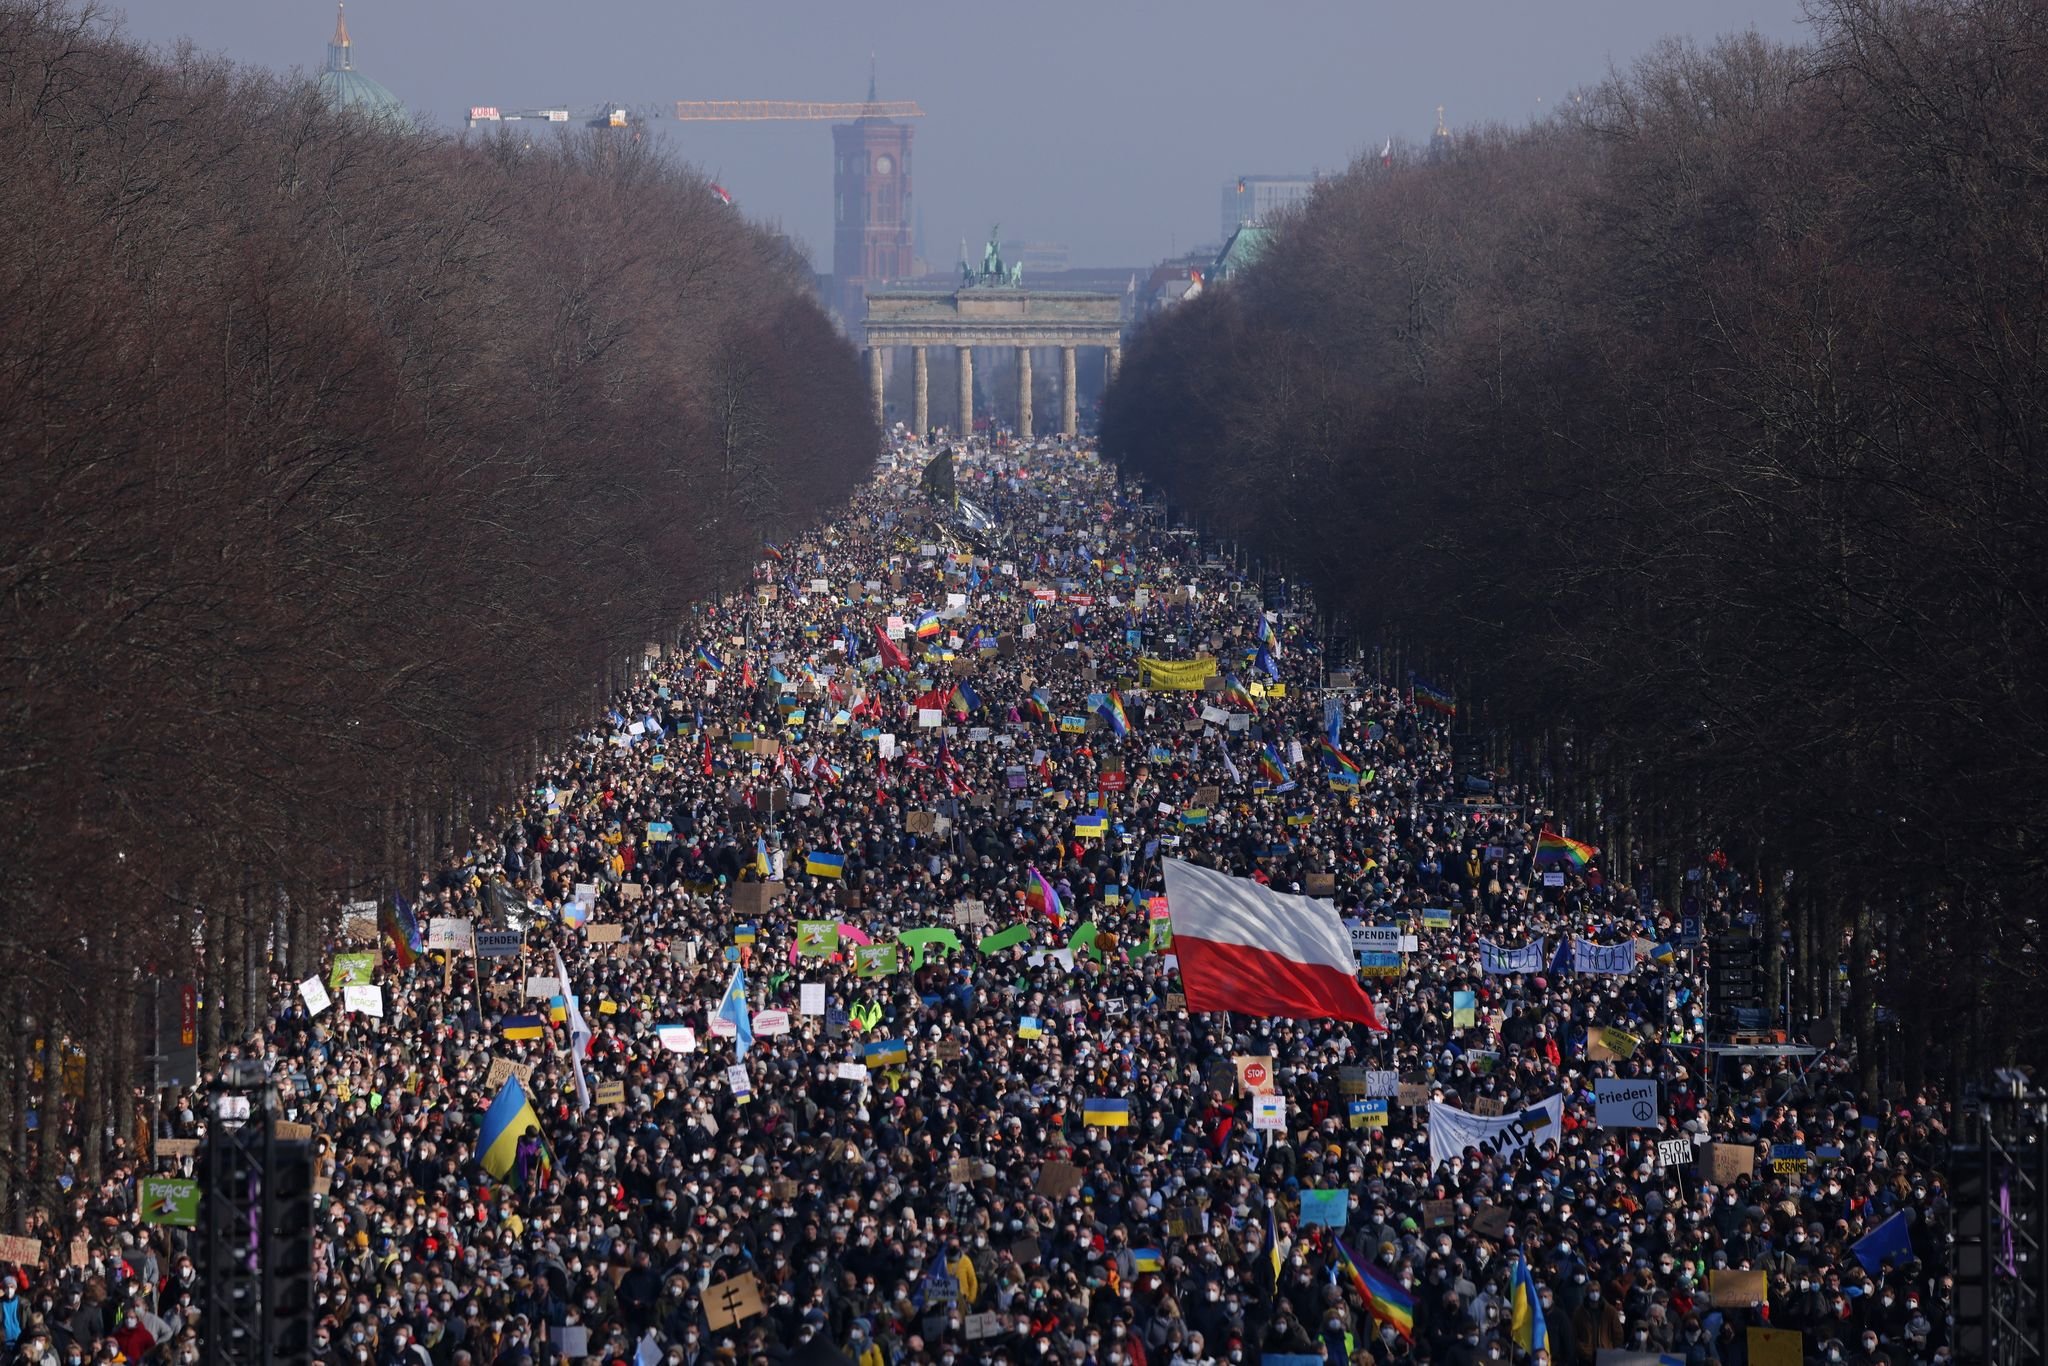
1112,711
927,625
1271,771
1238,695
1340,762
1426,696
772,551
1384,1297
709,660
1038,706
1042,895
398,924
1552,848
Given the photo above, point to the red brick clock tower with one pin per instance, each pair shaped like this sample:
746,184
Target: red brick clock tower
871,219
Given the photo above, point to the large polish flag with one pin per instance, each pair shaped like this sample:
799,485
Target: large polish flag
1245,947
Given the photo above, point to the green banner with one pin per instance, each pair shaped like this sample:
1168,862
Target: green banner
817,938
353,970
1004,939
170,1200
875,960
921,940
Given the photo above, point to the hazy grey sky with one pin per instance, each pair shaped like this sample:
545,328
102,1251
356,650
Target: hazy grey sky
1107,125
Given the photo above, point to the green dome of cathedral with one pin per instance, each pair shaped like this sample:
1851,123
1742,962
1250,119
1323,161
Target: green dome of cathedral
349,90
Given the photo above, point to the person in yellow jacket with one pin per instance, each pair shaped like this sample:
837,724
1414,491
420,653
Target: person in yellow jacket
961,1268
862,1347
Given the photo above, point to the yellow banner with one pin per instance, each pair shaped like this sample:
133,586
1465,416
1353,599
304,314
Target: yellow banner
1175,675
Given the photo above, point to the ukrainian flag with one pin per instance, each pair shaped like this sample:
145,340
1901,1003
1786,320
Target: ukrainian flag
1092,826
1663,955
1147,1259
1107,1113
1029,1028
761,864
819,863
1525,1323
745,933
522,1027
885,1053
505,1123
558,1009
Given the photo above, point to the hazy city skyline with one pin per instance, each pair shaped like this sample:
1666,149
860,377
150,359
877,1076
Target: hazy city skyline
1106,128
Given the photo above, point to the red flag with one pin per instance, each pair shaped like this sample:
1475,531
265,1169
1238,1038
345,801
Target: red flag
891,656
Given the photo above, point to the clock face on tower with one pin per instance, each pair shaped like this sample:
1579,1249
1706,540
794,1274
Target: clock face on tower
884,164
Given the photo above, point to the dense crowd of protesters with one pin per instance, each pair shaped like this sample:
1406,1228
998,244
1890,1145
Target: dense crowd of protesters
957,1205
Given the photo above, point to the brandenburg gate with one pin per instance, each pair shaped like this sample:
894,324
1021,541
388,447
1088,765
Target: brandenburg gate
991,308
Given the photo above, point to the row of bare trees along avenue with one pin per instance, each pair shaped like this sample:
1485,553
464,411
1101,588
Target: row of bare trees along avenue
1695,436
347,466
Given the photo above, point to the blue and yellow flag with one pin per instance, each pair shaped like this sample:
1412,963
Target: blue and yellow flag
1525,1323
1107,1112
505,1123
885,1053
522,1027
820,863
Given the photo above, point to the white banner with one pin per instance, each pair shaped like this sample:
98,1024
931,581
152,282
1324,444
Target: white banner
1373,938
1612,959
1451,1130
1499,961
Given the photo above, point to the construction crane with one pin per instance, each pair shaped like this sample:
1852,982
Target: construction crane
764,111
603,116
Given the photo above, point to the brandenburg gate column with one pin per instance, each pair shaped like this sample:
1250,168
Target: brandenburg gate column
1068,403
966,392
920,391
1024,392
875,380
1113,361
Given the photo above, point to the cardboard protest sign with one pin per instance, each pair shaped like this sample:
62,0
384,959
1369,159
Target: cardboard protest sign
1727,1161
1776,1347
1058,1179
502,1068
732,1301
1736,1289
1255,1074
609,1093
604,934
21,1251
